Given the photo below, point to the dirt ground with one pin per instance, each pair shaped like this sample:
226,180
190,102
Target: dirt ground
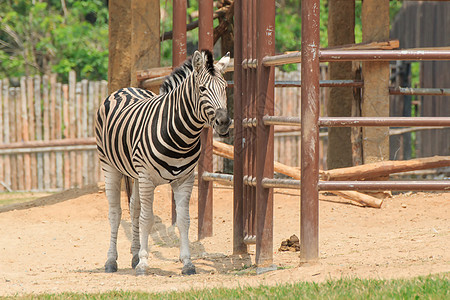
59,243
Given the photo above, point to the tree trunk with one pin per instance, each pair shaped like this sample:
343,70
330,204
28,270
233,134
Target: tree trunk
341,26
119,61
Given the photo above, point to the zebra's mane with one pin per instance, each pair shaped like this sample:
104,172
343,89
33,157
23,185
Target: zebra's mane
181,73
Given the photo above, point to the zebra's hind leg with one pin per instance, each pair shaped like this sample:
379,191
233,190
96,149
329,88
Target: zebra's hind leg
146,219
135,210
112,188
182,190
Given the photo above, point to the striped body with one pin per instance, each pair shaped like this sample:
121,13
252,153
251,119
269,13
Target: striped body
155,139
138,131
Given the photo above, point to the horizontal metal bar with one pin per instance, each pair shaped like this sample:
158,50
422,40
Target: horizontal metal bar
418,91
361,121
380,121
360,55
383,55
438,185
359,83
281,120
322,83
208,176
280,183
282,59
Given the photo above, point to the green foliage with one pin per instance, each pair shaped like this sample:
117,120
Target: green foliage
429,287
45,37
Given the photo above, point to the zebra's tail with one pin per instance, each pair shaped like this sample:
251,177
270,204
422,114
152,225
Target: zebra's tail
128,188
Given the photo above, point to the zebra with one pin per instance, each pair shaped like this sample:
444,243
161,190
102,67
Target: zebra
155,139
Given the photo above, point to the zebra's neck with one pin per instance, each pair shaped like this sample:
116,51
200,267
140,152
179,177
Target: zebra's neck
181,110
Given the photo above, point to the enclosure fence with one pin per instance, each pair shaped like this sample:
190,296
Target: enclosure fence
46,133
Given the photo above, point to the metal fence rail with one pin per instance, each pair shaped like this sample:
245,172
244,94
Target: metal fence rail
254,119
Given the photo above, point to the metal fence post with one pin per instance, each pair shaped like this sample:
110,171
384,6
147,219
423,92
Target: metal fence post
310,73
205,188
265,45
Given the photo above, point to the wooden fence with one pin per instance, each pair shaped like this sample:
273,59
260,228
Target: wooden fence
287,103
42,109
44,126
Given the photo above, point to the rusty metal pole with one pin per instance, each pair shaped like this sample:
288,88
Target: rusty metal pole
205,188
265,45
238,213
245,131
179,33
310,72
247,52
178,52
252,113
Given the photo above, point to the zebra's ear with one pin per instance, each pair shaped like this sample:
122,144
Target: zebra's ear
197,60
223,63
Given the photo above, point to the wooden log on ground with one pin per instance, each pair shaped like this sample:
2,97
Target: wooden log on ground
384,168
226,151
361,198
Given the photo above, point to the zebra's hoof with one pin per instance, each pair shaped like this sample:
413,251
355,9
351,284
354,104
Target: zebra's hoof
111,266
135,261
141,270
188,269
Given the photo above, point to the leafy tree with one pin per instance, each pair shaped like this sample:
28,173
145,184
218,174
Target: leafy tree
39,37
43,36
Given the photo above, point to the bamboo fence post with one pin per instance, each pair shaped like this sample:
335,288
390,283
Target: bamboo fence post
38,118
31,129
52,128
46,129
87,94
25,132
2,157
103,95
58,135
93,93
71,124
12,136
78,130
19,125
66,120
6,131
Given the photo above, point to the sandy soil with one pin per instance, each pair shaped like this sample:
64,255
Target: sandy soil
59,243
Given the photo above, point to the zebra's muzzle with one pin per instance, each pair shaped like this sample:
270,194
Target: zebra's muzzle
222,122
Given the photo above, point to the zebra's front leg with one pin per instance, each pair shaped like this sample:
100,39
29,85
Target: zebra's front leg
146,220
135,211
112,189
182,193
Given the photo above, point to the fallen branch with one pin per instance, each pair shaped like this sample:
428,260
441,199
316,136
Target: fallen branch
227,151
385,168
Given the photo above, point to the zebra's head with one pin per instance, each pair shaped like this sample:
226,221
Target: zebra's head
211,87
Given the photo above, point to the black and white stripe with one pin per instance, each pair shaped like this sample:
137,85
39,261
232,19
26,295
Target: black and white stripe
155,139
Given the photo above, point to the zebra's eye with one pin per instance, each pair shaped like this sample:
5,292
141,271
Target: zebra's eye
202,89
